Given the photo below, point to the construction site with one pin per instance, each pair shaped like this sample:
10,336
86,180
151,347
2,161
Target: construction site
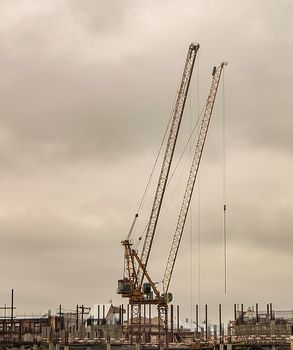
103,326
148,319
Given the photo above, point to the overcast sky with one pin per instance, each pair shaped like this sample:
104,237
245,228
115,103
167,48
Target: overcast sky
86,90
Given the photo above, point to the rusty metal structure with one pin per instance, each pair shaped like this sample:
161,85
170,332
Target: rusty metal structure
268,329
257,326
133,285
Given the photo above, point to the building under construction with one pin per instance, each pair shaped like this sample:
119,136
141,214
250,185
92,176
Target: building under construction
64,325
256,326
109,324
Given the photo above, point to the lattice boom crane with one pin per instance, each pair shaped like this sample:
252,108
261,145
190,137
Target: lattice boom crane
174,129
166,297
192,177
131,286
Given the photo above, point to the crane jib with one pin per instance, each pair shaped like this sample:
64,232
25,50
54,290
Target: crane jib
167,160
192,177
132,286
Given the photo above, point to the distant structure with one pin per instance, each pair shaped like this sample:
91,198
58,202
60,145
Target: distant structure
108,324
101,321
253,324
104,322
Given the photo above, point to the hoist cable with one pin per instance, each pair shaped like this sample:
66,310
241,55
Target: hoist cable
168,183
174,170
186,145
154,167
224,185
198,200
190,216
172,196
183,168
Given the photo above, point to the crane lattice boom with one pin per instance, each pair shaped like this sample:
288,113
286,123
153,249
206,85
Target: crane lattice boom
175,124
132,285
192,177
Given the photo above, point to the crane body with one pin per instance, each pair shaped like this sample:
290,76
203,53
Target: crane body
205,122
192,177
165,169
132,285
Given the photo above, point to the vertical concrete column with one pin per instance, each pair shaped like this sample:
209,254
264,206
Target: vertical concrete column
159,327
108,346
196,321
229,347
221,346
206,323
35,347
51,346
220,324
172,323
57,346
66,347
99,319
150,324
128,325
144,324
76,325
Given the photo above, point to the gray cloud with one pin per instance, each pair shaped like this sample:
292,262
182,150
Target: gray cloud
86,91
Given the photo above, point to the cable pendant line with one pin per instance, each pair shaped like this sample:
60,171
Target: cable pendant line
225,246
167,160
154,166
140,206
175,168
172,175
149,180
199,243
150,176
224,184
127,264
192,177
196,127
164,215
186,145
199,201
148,184
173,127
190,216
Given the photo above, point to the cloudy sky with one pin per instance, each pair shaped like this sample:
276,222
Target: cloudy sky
87,88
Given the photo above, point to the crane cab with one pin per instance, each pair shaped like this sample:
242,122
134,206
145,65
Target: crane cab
166,298
124,287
